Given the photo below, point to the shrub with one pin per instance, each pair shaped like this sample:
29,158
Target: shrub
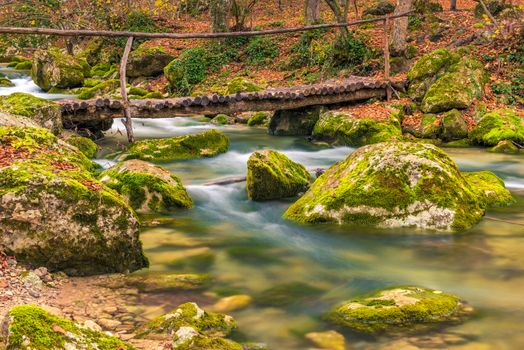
350,51
262,50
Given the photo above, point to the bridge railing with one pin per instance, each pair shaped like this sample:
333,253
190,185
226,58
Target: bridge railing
386,20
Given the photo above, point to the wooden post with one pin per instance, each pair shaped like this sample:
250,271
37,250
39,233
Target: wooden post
128,122
386,57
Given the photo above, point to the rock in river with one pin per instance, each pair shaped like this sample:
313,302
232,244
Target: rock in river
392,184
397,309
146,187
497,126
205,144
55,69
272,175
54,213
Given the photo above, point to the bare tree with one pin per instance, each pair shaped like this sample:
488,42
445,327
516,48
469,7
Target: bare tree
312,12
399,32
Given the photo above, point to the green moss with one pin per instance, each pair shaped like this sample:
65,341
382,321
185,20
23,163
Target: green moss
458,144
101,89
133,90
399,308
391,184
89,83
490,188
345,129
497,126
206,144
258,118
505,146
201,342
52,68
154,95
33,328
240,84
103,69
220,119
84,145
454,126
272,175
147,187
24,104
191,315
26,65
4,82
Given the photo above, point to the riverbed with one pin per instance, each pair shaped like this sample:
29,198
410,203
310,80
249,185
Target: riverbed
248,248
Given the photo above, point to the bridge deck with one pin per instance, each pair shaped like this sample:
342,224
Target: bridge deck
331,92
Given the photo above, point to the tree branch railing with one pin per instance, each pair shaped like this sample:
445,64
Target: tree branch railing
133,35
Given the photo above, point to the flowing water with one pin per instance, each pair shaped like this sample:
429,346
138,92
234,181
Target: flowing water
248,248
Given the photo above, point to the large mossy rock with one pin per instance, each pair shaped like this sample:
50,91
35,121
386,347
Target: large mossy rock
238,85
295,122
205,144
272,175
454,126
497,126
190,327
148,61
30,327
147,188
399,309
84,144
490,188
458,88
392,184
44,113
344,128
5,82
53,68
54,213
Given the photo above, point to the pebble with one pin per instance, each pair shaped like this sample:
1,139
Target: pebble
108,323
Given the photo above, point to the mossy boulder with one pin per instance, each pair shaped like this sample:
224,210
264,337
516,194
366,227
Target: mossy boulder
429,127
148,61
104,70
240,84
147,188
426,71
54,213
399,309
258,118
84,144
191,327
5,82
490,188
505,146
101,89
497,126
344,128
222,119
206,144
25,65
458,88
454,126
392,184
30,327
43,112
295,122
53,68
272,175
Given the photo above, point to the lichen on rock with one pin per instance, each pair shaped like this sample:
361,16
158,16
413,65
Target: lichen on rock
53,68
30,327
399,309
43,112
147,188
54,213
84,144
497,126
272,175
205,144
344,128
490,188
393,184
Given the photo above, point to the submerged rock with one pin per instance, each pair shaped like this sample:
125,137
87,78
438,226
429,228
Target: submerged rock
84,145
286,294
328,340
272,175
30,327
193,328
490,188
52,68
295,122
147,187
162,282
344,128
54,213
205,144
43,112
497,126
148,61
399,309
232,303
394,184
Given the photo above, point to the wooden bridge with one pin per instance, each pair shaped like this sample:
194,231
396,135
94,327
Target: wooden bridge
332,92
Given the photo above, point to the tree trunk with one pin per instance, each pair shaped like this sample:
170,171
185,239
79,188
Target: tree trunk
399,32
453,5
219,12
312,12
339,15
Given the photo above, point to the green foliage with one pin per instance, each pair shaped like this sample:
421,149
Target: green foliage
188,70
414,22
350,51
261,50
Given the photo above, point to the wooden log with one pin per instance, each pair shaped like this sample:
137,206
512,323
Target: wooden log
198,100
205,101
